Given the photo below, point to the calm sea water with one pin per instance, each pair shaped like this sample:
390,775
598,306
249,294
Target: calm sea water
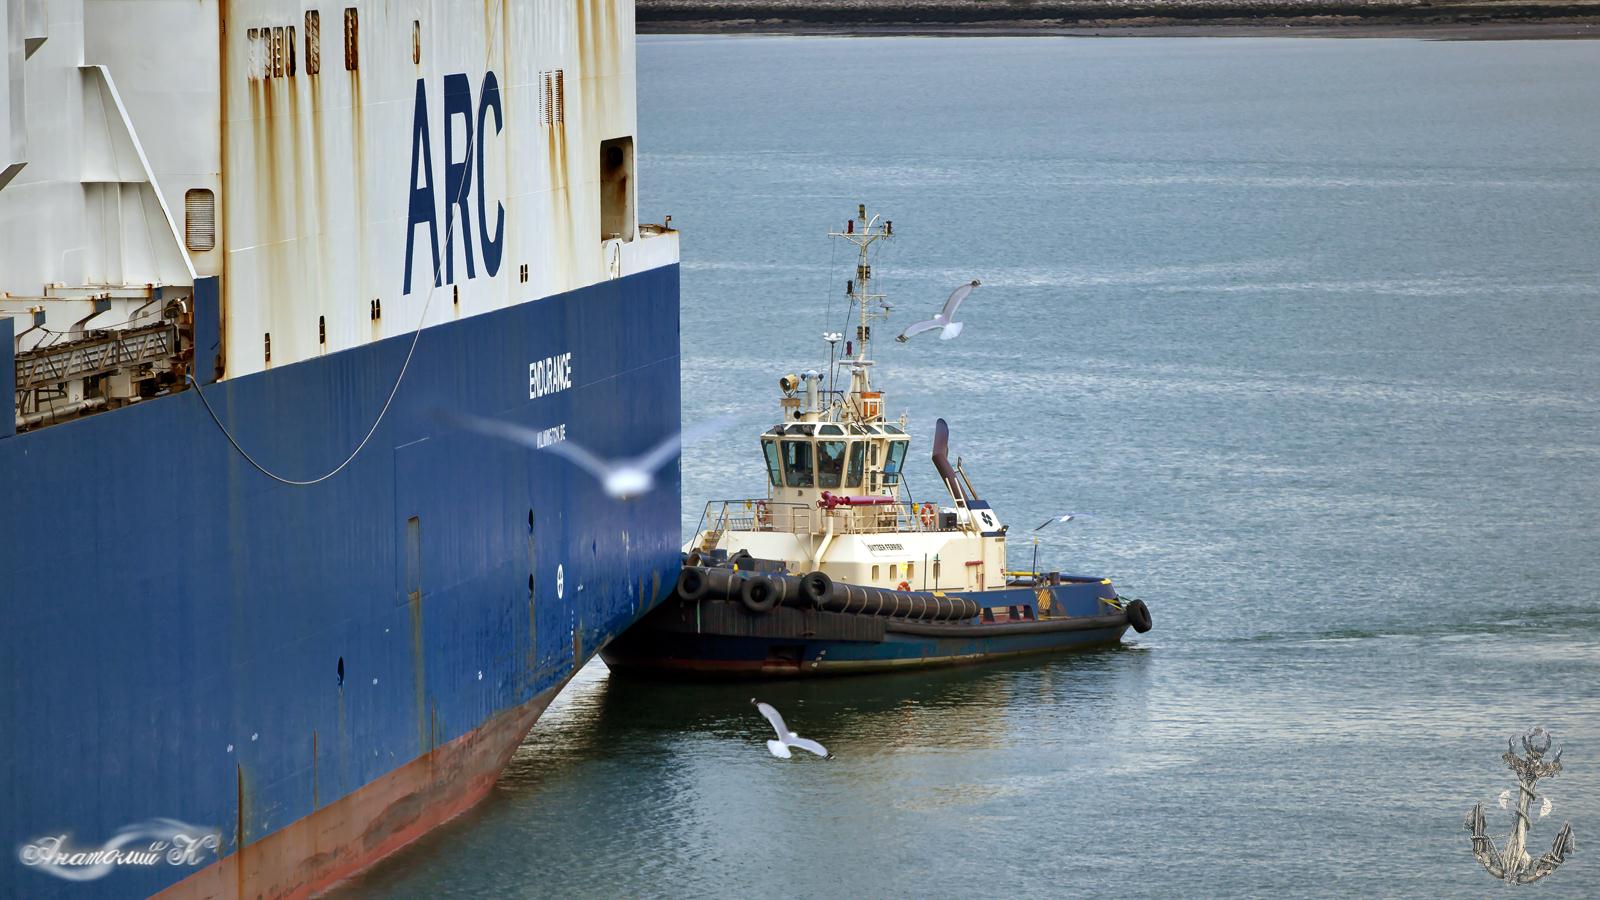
1311,327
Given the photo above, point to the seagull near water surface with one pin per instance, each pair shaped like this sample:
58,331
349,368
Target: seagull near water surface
1064,517
787,738
622,479
944,318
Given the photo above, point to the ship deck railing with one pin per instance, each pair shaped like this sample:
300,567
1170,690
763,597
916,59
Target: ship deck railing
758,514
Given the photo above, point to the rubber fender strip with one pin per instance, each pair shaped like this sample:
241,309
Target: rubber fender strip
1074,623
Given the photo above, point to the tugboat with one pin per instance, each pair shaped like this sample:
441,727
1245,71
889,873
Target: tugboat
837,569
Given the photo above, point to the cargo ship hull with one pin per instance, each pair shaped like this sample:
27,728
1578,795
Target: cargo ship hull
319,674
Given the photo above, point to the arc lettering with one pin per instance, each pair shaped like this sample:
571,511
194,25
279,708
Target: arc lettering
463,179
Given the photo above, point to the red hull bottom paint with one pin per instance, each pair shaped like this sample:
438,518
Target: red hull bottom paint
351,834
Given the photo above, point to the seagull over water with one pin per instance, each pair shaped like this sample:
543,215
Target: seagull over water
787,738
622,479
944,318
1065,517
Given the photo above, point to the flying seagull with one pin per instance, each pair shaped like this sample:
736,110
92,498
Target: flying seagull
1066,517
944,318
623,479
787,738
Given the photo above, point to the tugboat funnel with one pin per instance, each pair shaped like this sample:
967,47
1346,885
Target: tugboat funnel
941,460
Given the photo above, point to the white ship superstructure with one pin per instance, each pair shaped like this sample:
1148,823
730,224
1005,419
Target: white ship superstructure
346,171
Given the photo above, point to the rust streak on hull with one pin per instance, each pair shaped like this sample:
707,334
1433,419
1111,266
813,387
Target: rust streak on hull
356,831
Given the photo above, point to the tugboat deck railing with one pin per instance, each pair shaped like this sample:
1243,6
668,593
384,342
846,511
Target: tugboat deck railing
763,515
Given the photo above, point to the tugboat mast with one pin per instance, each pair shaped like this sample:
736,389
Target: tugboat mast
863,233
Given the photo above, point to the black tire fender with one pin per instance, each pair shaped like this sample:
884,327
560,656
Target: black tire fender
1138,615
758,594
692,584
817,586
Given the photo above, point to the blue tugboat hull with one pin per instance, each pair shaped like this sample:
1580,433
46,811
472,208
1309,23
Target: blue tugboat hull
720,638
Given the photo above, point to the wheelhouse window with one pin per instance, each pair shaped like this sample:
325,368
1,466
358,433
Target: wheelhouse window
858,451
893,460
830,463
797,463
774,473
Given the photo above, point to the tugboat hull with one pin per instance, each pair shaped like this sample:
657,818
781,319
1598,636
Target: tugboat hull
721,638
837,569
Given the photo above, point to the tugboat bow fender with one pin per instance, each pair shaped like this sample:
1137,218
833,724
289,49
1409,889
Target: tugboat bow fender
1138,615
758,593
872,601
692,583
817,586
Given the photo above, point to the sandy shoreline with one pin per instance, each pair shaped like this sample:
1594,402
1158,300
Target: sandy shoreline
1482,20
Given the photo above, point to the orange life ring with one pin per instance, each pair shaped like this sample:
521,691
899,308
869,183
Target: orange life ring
903,586
926,515
763,515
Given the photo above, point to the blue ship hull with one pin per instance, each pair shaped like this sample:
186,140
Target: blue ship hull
322,672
